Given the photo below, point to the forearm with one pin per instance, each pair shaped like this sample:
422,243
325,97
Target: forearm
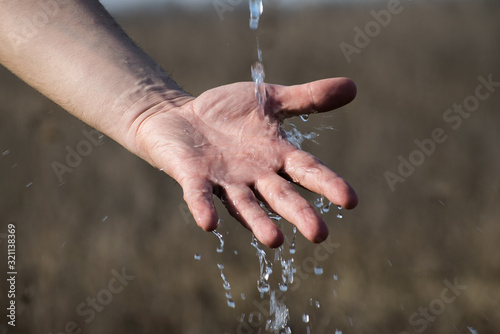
74,53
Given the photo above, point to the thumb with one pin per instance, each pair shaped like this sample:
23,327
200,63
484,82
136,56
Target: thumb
317,96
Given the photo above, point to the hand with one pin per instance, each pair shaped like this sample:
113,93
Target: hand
222,142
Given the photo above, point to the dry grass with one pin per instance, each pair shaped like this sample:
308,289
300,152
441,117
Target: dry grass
440,224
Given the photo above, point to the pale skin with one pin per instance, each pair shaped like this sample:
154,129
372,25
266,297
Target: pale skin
220,142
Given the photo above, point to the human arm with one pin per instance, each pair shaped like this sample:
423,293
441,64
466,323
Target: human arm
219,142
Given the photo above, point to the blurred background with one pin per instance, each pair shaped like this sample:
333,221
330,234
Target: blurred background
111,248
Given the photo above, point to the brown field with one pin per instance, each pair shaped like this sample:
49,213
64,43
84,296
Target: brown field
393,254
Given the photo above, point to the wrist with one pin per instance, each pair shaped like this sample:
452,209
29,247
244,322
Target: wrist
141,103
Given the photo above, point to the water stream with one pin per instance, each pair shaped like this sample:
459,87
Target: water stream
279,314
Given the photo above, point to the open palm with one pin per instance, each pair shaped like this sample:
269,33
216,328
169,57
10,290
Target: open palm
222,142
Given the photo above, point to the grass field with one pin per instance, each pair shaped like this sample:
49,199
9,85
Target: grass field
420,254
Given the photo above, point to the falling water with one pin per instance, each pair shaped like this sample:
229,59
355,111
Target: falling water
266,267
279,313
227,286
280,316
220,249
293,244
258,74
256,9
225,282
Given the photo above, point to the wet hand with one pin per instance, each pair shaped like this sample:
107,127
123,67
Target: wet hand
222,143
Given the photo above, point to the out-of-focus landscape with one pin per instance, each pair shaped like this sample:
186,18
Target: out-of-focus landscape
422,257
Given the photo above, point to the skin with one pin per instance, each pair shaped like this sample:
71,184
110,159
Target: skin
220,142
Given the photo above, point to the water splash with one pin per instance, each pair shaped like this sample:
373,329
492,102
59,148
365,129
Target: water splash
296,138
280,316
256,9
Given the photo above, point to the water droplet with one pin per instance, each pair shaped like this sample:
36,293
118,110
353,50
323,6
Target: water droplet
305,318
262,286
326,208
335,293
283,286
29,184
339,207
335,277
339,216
304,118
243,296
338,331
389,262
231,303
4,153
197,257
220,266
104,219
318,271
316,303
